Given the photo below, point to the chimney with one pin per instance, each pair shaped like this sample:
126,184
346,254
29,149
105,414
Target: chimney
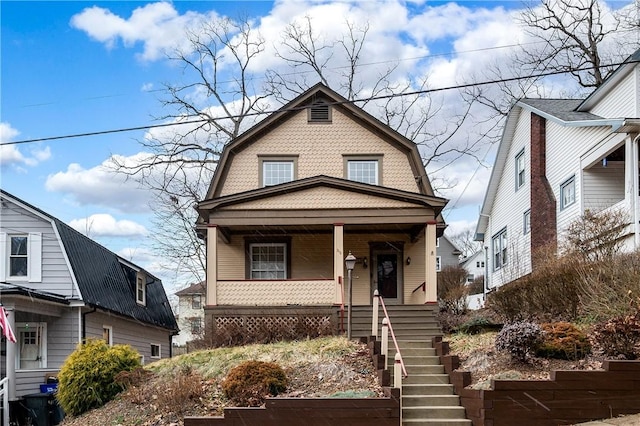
543,202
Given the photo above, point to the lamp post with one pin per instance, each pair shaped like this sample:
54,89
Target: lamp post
350,262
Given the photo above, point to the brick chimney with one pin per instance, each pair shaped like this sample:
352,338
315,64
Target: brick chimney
543,203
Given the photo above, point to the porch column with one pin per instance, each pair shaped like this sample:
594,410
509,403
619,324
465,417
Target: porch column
635,189
212,265
431,277
338,260
10,357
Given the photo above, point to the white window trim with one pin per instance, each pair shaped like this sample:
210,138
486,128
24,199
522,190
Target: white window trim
21,326
354,161
501,239
141,284
34,257
526,222
193,296
159,351
191,321
520,172
571,182
288,159
267,244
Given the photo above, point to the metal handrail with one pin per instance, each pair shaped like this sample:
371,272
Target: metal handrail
393,336
4,383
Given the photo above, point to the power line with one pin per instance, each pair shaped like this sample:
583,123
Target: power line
267,112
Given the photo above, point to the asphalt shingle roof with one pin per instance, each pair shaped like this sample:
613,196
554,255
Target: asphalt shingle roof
564,109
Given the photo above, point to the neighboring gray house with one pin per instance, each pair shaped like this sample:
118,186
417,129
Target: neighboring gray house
60,287
190,313
447,254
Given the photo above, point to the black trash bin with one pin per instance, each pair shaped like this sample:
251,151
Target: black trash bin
43,409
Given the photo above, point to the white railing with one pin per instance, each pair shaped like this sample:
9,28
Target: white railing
4,391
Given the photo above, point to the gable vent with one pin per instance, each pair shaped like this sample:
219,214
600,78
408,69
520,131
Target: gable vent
320,112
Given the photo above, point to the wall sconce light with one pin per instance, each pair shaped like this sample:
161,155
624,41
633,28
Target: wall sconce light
365,262
408,260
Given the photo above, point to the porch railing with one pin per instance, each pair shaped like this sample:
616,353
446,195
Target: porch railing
387,329
4,392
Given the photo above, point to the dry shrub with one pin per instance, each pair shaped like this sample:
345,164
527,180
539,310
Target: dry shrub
181,392
563,340
550,293
619,336
453,289
596,236
520,339
477,286
251,382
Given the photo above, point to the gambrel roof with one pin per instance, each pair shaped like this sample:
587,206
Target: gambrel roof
104,279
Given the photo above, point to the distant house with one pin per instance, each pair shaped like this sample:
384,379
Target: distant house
557,159
447,254
475,267
60,287
191,301
295,194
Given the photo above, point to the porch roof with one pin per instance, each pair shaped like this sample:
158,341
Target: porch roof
7,289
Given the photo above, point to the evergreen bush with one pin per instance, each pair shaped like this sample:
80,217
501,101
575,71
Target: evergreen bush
87,377
563,340
249,383
520,339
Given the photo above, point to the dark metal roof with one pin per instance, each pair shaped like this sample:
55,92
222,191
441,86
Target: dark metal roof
109,283
7,289
564,109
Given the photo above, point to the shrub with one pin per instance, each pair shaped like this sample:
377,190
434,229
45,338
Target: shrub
87,377
477,324
251,382
520,339
453,289
618,336
563,340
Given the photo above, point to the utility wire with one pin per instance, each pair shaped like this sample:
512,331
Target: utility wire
371,98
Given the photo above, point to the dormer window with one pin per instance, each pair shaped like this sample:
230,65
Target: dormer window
319,112
364,169
141,288
277,170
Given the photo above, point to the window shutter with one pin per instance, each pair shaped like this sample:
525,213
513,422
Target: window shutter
4,256
319,112
35,257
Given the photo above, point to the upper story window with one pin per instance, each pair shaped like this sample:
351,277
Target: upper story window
568,192
277,170
520,166
480,264
500,249
363,168
141,288
196,301
18,256
319,112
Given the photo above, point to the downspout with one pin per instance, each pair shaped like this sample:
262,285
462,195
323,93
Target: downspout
84,324
635,192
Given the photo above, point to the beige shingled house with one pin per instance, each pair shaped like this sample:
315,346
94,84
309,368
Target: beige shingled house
293,195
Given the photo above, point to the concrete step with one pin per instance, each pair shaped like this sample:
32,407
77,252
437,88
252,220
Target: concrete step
434,412
426,379
436,422
424,369
427,389
411,351
420,360
430,400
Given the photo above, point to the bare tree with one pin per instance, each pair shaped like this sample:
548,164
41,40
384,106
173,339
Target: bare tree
465,241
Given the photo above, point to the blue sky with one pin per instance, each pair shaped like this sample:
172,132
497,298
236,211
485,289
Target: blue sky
65,72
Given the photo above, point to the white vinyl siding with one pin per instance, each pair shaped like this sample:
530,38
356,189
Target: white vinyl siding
620,101
526,222
603,187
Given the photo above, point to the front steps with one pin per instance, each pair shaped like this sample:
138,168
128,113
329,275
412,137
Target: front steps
428,398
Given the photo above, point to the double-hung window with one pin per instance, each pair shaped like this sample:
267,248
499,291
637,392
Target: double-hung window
277,170
568,192
268,261
526,225
196,301
365,171
141,289
500,249
520,166
18,256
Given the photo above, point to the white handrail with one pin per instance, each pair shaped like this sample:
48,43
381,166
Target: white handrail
4,383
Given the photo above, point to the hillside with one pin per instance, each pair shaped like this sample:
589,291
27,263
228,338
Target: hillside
189,385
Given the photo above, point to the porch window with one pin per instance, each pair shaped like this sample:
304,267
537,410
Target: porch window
155,351
520,170
568,193
18,258
438,263
500,249
365,171
268,261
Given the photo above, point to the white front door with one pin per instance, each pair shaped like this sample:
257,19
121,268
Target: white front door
32,348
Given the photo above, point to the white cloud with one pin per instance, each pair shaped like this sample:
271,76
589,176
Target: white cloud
105,225
15,156
102,186
147,87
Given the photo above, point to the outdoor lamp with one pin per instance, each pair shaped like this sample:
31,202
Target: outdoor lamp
350,262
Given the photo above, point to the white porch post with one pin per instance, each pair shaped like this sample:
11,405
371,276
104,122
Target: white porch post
212,265
10,357
338,261
635,189
430,278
